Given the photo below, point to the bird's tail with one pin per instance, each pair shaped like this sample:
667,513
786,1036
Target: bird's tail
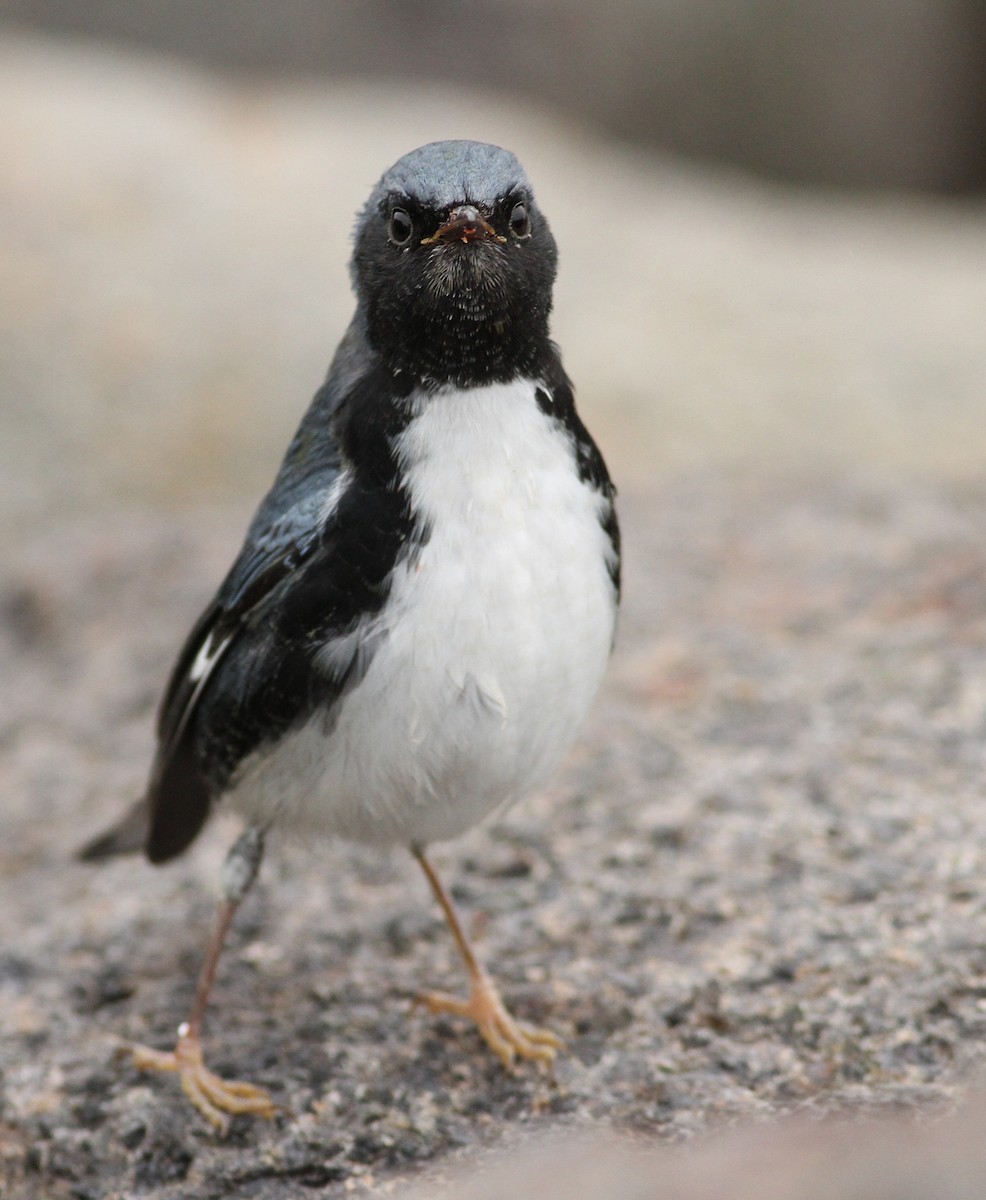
125,837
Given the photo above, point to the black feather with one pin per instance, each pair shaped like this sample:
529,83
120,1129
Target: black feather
309,572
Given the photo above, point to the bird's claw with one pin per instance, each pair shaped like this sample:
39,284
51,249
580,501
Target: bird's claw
507,1037
213,1096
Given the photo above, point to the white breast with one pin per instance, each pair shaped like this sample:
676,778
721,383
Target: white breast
489,649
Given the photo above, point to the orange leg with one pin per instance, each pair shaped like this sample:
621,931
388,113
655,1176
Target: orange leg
212,1096
505,1036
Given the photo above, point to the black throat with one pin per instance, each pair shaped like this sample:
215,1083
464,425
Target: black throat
460,341
457,313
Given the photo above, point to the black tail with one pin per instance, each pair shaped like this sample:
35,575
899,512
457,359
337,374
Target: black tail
178,803
125,837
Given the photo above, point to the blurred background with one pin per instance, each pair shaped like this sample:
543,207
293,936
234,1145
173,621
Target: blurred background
770,215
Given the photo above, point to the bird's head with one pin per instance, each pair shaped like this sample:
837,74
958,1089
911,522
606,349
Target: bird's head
454,264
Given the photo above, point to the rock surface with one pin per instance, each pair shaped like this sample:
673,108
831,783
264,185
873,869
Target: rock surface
758,886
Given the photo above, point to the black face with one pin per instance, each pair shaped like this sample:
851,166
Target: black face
460,295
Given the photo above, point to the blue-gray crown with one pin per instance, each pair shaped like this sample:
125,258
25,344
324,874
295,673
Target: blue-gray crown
441,174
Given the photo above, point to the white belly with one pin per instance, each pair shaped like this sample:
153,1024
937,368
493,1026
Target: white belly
492,643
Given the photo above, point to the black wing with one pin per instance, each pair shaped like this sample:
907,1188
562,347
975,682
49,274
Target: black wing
292,625
180,791
282,537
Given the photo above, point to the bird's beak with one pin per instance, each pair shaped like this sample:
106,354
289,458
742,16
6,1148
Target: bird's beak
465,224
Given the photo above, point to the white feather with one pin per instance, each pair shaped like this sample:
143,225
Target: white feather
208,655
487,654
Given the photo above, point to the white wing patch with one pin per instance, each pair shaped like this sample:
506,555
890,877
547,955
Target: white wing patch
209,654
334,493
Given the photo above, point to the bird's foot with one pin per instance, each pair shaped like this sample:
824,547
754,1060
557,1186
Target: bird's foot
506,1037
212,1096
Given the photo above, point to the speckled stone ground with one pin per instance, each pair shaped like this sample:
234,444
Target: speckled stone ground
758,886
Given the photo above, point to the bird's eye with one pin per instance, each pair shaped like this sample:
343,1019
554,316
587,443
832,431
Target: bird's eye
520,222
401,227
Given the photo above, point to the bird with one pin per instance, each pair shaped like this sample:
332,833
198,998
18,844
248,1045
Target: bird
426,599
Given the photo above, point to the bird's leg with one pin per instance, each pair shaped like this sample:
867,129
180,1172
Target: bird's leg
212,1096
505,1036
